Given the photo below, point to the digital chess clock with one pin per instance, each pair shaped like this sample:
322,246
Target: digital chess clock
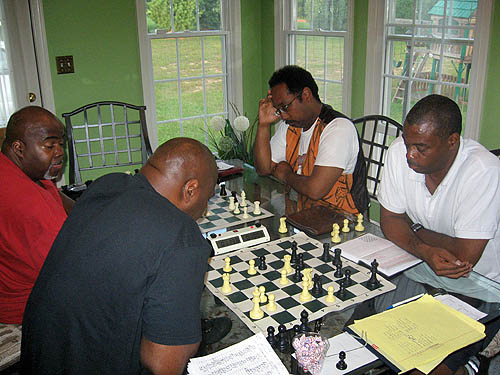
238,238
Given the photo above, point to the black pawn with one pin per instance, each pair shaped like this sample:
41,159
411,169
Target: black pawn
373,282
304,319
297,276
317,290
293,260
233,193
341,365
336,257
317,325
262,263
300,262
271,339
326,257
295,331
338,271
341,289
223,191
283,341
347,279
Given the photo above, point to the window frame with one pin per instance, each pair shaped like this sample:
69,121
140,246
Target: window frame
283,12
231,28
376,41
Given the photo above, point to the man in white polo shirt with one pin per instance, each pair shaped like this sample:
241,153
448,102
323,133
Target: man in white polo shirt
440,201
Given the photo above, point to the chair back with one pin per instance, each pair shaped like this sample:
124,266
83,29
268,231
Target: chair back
496,152
377,132
103,135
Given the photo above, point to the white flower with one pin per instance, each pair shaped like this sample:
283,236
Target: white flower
217,123
241,123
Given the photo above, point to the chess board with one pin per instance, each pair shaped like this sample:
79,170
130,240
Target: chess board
218,215
289,306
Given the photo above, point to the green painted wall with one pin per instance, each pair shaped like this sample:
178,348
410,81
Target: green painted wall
102,37
257,40
359,58
490,129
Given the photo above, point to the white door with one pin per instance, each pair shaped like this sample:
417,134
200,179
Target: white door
19,79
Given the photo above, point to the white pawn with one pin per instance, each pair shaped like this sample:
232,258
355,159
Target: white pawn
359,227
227,267
243,197
226,286
283,228
345,228
287,266
231,203
335,234
236,209
251,269
256,209
330,298
283,279
263,297
305,295
256,312
271,306
245,213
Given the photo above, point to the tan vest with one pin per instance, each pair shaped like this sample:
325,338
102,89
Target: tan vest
339,196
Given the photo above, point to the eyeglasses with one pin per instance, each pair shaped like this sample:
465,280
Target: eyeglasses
284,108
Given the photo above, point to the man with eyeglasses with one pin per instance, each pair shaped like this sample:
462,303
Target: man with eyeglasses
315,149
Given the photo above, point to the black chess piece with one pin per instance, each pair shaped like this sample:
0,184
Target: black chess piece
341,293
234,195
336,257
223,191
338,271
326,257
341,364
271,338
283,341
297,276
293,260
262,263
347,278
300,262
317,290
304,319
373,282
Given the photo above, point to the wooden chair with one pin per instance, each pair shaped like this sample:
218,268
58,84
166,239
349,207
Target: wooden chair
104,135
376,132
2,136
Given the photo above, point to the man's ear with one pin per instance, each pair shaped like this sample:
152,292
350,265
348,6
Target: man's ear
18,148
190,190
453,140
306,94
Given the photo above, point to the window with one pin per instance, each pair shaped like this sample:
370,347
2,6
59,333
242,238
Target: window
317,36
185,65
429,46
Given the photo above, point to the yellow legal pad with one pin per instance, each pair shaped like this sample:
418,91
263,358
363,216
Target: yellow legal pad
419,334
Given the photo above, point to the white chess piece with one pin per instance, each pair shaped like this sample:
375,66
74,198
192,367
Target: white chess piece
251,269
330,298
283,228
256,312
236,209
231,203
345,228
359,227
243,199
283,279
263,297
305,295
307,273
287,264
227,267
226,286
256,209
335,234
245,213
271,306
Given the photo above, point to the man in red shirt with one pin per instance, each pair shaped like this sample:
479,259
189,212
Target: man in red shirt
32,210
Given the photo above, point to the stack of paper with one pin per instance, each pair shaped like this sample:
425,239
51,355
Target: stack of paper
251,356
390,258
419,334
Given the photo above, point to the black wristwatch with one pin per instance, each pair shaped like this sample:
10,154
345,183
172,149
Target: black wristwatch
416,227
